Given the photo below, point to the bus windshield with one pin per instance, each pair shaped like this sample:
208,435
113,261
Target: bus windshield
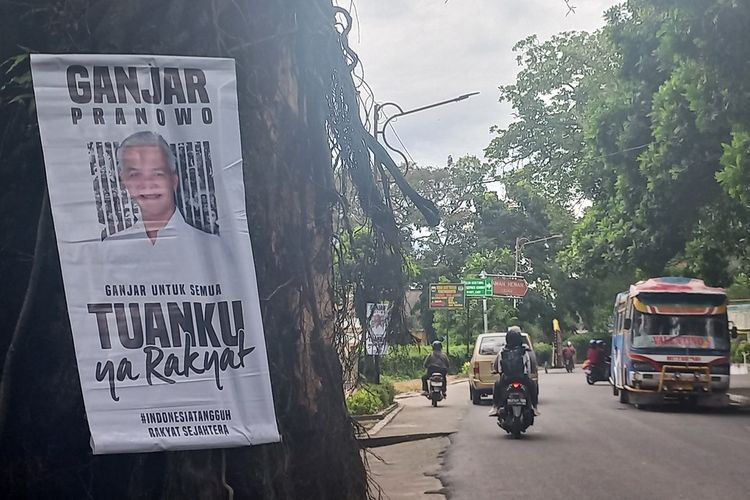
689,332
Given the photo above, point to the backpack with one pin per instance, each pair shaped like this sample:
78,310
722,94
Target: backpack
511,361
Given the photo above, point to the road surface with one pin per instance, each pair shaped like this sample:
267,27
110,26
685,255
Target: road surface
586,445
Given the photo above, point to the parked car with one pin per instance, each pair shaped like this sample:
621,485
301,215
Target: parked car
481,378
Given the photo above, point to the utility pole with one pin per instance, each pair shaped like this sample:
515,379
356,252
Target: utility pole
484,305
468,332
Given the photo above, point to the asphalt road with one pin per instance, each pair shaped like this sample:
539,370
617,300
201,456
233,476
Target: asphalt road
586,445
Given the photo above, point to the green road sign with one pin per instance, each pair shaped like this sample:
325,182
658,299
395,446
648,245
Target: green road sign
479,287
446,295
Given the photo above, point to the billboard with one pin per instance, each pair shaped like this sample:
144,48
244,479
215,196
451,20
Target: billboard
144,172
447,295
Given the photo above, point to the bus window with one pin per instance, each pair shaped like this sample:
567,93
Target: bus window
694,332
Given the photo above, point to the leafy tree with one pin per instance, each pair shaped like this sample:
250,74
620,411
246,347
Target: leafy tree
541,149
665,135
647,120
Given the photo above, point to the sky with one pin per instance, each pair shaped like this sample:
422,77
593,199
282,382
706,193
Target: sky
417,52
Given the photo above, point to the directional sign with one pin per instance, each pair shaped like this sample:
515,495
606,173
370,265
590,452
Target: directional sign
509,286
446,295
481,287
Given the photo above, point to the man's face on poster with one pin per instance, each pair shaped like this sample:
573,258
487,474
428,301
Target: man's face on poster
149,180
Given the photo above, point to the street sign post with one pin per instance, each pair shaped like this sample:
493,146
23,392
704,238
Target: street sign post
447,295
479,287
509,286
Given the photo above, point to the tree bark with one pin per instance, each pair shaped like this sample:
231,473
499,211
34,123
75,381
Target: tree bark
283,53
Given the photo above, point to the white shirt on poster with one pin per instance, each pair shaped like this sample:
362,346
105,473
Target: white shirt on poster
196,255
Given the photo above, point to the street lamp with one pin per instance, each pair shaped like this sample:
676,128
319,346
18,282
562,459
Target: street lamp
522,242
401,112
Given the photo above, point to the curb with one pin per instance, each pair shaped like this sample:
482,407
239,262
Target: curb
376,416
385,420
739,400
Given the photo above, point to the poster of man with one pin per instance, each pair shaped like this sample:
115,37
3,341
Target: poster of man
148,170
144,171
377,321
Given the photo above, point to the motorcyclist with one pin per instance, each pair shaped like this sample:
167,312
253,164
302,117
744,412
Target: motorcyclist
569,352
436,362
601,363
593,353
513,347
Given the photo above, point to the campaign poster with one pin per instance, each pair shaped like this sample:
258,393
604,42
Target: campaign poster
377,324
144,172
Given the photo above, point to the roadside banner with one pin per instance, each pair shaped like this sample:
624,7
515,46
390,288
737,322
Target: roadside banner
377,325
144,172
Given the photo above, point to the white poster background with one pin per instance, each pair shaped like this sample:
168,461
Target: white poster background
377,324
168,335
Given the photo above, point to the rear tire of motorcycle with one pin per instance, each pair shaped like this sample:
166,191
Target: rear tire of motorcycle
590,379
615,390
516,431
434,402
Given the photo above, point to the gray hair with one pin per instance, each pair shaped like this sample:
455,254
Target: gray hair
147,138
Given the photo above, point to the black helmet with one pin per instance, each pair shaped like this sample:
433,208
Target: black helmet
513,338
592,342
600,342
437,346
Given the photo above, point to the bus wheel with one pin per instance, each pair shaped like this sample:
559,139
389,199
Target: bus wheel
624,397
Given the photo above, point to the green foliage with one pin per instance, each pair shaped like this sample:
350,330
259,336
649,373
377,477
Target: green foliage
648,121
668,146
363,402
466,368
371,398
405,362
543,352
738,348
385,390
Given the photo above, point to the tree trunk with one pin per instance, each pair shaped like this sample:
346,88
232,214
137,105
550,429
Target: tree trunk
283,54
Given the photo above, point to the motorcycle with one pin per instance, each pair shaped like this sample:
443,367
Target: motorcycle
435,393
598,372
569,365
517,414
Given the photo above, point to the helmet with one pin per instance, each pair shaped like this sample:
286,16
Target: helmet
513,338
592,342
437,346
600,342
570,343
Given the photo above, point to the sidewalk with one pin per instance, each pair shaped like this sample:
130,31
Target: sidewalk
739,388
409,469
